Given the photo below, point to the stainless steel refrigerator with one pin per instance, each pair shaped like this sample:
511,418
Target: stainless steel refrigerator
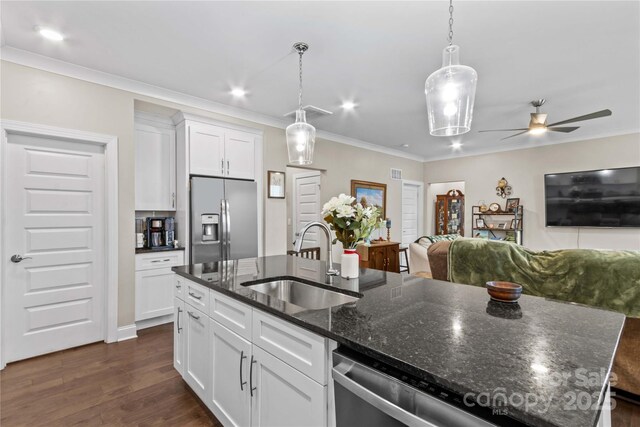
224,219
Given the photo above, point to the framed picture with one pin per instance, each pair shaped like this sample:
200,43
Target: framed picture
371,194
481,234
480,223
502,225
512,205
275,183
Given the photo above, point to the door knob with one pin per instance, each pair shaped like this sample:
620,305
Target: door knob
17,258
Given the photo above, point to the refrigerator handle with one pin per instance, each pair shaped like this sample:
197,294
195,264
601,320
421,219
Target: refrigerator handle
223,228
228,227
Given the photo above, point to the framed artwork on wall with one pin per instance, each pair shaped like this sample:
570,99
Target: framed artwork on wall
275,184
371,194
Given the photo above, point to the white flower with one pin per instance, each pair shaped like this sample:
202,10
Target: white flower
346,200
344,211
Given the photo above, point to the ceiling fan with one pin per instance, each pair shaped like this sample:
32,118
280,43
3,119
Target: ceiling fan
538,123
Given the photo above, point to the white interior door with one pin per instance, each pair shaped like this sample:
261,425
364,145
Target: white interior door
411,213
306,206
54,297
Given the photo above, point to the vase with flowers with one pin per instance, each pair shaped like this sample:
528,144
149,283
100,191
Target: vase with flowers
353,223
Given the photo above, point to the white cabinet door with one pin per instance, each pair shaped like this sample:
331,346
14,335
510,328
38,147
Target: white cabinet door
155,179
283,396
154,293
197,360
239,149
206,150
178,335
229,400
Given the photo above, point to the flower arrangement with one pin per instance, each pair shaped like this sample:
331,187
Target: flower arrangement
352,222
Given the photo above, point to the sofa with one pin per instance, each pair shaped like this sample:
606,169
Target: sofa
604,279
418,255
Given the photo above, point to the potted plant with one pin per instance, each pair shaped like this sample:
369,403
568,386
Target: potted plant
353,223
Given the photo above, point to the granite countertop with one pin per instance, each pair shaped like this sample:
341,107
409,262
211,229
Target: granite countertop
548,352
150,250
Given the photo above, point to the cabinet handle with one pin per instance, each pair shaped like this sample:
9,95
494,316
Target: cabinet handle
161,260
191,294
193,315
222,166
173,200
251,387
178,286
242,383
178,319
227,167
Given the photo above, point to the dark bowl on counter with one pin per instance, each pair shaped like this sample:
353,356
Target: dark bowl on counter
504,291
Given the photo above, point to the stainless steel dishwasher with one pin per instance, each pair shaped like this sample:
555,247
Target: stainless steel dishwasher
366,395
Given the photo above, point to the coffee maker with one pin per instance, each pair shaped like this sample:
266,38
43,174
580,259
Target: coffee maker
160,232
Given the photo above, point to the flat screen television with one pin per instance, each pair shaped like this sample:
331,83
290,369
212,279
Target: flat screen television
601,198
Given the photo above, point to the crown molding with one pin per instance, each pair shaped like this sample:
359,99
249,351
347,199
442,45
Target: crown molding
45,63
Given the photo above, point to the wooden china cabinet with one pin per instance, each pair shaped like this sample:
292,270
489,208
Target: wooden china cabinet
450,213
383,256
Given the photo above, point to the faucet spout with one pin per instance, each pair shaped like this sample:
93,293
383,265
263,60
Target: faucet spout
327,231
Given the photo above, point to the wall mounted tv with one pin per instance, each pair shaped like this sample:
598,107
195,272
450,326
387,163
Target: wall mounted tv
601,198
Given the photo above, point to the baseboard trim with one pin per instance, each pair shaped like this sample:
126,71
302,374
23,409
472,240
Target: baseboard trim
127,332
155,321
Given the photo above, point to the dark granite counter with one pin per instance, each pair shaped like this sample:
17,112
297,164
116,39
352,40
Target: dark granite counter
151,250
544,363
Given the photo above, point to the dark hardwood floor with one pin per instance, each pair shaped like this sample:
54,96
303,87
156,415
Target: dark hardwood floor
128,383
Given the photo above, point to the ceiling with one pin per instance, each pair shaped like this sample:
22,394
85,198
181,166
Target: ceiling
582,56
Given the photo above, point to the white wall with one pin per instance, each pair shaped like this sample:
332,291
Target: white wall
433,191
525,169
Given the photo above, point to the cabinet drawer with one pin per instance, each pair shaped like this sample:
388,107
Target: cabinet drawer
159,260
301,349
196,296
178,287
231,313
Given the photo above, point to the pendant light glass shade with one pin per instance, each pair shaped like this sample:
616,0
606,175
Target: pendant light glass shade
301,137
451,92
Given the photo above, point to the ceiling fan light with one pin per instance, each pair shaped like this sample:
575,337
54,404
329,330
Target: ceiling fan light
301,138
450,93
538,130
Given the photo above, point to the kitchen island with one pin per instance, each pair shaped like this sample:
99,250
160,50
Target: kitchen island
539,363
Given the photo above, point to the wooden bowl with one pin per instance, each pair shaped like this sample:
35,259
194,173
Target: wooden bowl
504,291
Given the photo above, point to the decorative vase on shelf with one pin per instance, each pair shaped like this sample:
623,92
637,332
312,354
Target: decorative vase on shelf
350,264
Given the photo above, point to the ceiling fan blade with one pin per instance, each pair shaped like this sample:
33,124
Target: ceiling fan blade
515,134
566,129
502,130
597,114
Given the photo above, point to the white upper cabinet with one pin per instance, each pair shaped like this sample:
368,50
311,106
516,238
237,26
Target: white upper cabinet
155,150
206,150
239,150
218,151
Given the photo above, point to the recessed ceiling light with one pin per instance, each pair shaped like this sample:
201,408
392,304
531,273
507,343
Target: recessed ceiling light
238,92
50,34
456,145
405,145
348,105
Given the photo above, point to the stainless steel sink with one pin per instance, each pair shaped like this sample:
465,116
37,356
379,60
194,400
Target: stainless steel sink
302,295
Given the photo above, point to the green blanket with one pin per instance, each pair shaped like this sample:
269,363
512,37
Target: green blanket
606,279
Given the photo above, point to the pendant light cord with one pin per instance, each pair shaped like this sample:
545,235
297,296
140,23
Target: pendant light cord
450,22
300,86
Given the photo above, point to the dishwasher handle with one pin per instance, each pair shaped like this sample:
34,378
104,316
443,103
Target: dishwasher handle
394,411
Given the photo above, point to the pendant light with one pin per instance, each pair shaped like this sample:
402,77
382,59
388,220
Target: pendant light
301,136
451,92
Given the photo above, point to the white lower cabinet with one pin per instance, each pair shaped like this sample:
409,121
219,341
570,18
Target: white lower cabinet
178,335
154,293
230,360
197,361
283,396
244,383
